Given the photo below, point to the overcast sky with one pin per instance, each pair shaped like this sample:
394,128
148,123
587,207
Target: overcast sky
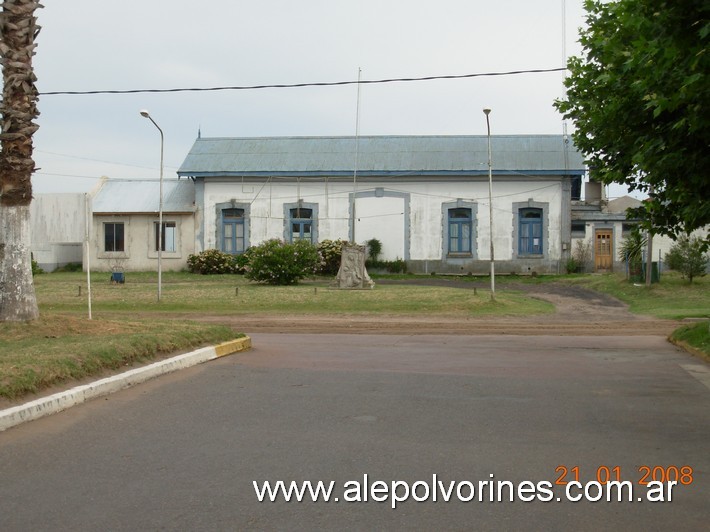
90,45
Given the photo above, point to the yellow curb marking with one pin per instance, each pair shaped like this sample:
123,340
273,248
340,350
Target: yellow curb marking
234,346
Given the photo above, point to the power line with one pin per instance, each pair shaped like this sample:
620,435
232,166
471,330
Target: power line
100,160
296,85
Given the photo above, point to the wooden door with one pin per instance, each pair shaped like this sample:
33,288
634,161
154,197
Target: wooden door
603,250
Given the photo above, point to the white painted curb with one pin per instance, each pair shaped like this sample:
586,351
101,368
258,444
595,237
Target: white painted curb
75,396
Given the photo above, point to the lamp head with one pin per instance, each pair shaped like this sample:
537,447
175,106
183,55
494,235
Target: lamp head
144,113
487,111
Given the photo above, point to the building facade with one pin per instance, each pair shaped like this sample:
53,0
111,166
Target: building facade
125,222
426,198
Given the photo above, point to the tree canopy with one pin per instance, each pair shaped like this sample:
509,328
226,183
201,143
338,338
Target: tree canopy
638,98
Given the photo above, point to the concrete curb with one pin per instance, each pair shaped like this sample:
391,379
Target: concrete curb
75,396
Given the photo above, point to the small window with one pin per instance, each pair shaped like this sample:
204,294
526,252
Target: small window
530,236
301,224
233,231
579,229
114,237
460,230
169,237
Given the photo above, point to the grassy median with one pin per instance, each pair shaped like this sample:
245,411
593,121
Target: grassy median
62,347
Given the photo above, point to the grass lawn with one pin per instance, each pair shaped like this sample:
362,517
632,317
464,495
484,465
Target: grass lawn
672,298
184,293
695,338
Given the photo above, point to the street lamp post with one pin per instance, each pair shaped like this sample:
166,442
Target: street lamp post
490,204
146,114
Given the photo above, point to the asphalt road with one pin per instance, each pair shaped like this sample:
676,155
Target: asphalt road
181,452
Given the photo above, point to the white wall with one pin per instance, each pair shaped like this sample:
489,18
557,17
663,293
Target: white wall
57,224
379,217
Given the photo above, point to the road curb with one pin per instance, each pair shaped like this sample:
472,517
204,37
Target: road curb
57,402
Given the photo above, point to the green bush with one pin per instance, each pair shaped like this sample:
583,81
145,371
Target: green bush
36,270
391,266
688,257
241,262
631,250
374,248
396,266
571,266
71,267
213,261
280,263
330,252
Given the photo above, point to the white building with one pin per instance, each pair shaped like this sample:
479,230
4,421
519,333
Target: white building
424,197
124,232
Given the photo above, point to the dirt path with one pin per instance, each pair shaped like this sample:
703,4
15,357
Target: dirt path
579,312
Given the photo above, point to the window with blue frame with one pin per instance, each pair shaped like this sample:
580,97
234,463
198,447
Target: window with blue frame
233,231
301,224
460,221
530,231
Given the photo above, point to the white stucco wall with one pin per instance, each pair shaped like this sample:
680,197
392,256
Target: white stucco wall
404,216
57,226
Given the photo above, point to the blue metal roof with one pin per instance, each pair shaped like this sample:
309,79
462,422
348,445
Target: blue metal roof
381,155
134,196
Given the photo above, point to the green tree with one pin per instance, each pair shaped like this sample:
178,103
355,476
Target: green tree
688,257
18,29
638,99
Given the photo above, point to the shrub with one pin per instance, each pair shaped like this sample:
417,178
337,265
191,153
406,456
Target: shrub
36,270
213,261
374,248
71,267
280,263
571,266
396,266
582,254
688,257
631,249
330,252
241,262
390,266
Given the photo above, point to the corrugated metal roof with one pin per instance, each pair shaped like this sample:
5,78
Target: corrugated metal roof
383,155
139,196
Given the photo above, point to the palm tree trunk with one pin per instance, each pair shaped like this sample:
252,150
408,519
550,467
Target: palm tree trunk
18,29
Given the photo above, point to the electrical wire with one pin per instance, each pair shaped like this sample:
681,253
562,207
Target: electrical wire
298,85
101,161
